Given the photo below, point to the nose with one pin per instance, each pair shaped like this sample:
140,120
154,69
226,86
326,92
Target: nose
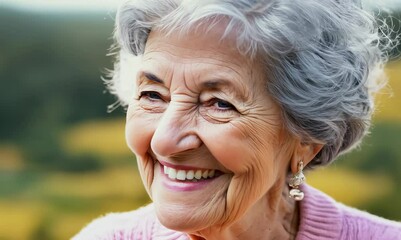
175,132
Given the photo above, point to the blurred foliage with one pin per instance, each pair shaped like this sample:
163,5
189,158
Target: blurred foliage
63,159
50,68
86,138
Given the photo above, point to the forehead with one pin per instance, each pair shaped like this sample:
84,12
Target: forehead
200,43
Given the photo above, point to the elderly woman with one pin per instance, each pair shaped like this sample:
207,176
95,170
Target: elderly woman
229,101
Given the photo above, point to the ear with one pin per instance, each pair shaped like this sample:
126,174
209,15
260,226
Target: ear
305,152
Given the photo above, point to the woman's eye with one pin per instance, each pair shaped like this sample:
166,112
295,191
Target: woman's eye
217,110
222,105
150,95
152,101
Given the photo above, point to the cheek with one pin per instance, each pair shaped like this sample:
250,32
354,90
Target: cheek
139,130
240,147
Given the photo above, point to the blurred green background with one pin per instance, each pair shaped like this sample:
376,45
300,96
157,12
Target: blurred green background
63,159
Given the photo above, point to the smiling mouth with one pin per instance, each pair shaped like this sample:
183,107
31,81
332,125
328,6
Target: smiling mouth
189,175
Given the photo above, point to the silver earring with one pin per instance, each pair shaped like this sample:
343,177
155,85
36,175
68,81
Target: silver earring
296,180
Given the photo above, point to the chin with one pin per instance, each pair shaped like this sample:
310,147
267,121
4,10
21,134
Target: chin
185,220
178,221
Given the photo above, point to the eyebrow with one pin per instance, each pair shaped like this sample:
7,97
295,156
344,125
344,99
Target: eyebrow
216,84
153,77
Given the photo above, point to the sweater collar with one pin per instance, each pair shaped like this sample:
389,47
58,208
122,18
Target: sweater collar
319,216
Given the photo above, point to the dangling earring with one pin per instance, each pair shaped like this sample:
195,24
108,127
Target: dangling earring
296,180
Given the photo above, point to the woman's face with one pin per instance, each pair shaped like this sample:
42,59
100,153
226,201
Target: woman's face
208,137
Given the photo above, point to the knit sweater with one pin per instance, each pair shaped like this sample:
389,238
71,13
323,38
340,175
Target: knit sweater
320,218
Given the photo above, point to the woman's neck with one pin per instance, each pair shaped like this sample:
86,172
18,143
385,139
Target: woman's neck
275,216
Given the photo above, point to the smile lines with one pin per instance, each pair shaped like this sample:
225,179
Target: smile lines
188,174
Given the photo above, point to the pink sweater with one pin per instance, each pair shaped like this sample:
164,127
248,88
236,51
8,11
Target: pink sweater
321,218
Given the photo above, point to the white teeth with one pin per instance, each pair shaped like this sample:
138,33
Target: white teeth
188,174
205,174
198,174
181,175
172,173
211,173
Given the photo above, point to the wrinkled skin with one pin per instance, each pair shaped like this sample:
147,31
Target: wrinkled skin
212,110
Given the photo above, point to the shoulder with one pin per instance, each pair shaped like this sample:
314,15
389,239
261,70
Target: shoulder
323,218
363,224
138,224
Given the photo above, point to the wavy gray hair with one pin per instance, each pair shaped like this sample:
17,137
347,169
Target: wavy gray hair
324,58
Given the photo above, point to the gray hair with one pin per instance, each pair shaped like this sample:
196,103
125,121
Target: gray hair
324,58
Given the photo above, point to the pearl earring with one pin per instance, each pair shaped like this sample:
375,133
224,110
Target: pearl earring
296,180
